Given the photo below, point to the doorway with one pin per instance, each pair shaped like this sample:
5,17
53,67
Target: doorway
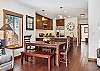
83,33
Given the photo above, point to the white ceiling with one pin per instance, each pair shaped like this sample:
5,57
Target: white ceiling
51,7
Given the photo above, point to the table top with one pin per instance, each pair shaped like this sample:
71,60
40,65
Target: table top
13,46
43,44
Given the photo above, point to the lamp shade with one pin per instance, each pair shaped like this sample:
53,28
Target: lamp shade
6,27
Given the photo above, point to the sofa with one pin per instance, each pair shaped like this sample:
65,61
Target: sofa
6,62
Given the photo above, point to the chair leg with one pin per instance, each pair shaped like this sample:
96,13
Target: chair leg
22,57
66,60
31,58
54,60
26,58
49,61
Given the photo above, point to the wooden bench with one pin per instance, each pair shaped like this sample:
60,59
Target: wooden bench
40,54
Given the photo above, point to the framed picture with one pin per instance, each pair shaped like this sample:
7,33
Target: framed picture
29,23
13,28
85,29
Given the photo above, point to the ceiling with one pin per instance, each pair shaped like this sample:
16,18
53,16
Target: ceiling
52,7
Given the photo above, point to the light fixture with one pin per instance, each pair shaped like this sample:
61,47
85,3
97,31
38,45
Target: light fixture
82,15
60,16
43,10
60,6
46,14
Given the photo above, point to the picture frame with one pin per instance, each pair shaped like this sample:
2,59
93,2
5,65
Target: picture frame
13,28
29,23
85,29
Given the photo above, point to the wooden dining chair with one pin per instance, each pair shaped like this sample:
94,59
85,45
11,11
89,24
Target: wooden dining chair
28,48
64,50
27,40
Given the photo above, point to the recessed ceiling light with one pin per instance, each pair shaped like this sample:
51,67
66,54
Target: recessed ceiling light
82,15
61,7
43,10
46,14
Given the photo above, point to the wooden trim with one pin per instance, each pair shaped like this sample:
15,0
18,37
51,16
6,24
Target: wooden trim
83,24
43,16
6,12
92,59
22,32
12,13
79,33
29,17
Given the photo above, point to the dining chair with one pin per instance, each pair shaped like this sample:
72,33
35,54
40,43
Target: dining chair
63,52
63,48
27,40
28,48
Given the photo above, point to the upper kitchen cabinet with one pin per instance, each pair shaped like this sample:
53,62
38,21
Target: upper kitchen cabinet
47,24
60,22
50,24
39,24
43,22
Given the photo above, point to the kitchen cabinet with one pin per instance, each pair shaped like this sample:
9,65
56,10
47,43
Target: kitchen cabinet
60,22
39,24
50,24
43,22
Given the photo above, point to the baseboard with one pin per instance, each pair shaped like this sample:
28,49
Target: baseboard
92,59
17,57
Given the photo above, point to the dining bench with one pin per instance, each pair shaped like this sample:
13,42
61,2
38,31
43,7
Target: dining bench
40,54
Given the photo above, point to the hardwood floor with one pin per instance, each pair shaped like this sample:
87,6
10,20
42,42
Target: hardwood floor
77,61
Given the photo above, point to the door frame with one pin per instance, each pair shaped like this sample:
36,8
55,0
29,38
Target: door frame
79,33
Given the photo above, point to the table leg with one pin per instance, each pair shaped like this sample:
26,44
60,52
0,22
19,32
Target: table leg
12,58
57,57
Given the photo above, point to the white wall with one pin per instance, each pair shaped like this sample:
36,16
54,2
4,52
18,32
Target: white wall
94,27
18,8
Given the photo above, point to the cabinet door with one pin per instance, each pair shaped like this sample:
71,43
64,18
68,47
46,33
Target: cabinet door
45,24
39,24
50,25
60,22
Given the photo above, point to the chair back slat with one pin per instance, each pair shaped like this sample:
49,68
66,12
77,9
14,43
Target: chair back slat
27,40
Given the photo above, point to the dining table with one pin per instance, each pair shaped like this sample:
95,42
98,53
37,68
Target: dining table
56,45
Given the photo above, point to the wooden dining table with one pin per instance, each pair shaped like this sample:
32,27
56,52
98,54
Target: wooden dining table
42,44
